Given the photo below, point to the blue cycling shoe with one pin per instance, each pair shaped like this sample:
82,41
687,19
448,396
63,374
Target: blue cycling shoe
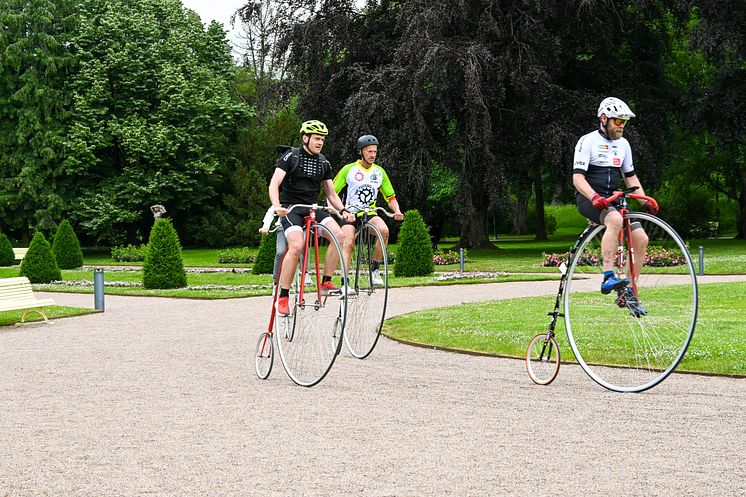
628,299
613,283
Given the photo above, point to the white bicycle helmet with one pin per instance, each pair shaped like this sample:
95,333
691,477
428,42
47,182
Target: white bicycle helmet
614,107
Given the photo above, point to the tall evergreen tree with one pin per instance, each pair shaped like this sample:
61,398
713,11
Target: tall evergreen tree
36,61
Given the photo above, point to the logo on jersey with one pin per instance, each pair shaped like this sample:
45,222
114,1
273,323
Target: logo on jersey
366,194
617,161
359,176
373,176
603,146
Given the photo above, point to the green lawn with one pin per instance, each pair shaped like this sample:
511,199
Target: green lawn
55,311
505,327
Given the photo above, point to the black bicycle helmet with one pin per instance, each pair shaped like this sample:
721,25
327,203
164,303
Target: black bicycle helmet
366,140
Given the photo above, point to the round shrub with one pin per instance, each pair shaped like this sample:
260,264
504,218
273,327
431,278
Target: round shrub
7,258
414,255
163,267
66,247
265,258
39,265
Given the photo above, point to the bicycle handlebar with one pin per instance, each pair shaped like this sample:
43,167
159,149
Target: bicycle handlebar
636,196
355,209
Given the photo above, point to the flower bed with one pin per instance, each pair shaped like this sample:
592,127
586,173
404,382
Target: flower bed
445,257
655,257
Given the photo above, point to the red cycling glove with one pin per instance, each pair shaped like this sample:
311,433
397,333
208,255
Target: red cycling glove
599,202
650,207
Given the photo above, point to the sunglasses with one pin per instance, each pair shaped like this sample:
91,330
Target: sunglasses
619,122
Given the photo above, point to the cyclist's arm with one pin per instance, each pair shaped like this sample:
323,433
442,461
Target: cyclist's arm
394,206
267,221
274,191
331,195
582,185
634,181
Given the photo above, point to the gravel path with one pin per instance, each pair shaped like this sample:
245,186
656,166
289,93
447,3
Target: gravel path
159,397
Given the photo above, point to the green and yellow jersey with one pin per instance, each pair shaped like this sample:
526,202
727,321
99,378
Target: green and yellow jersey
363,184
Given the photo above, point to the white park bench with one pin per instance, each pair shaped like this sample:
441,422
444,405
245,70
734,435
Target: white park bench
16,294
20,253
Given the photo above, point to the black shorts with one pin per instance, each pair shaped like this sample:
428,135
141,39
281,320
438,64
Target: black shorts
296,217
585,207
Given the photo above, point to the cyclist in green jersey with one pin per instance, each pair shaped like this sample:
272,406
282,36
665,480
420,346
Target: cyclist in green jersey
364,179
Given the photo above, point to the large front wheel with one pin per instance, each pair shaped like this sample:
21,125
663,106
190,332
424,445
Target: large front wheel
367,305
309,339
632,338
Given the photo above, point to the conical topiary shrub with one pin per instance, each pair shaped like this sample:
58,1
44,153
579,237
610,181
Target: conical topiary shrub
163,267
265,258
7,257
414,253
39,265
66,247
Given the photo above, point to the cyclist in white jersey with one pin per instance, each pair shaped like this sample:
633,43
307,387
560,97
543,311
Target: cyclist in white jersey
364,179
602,157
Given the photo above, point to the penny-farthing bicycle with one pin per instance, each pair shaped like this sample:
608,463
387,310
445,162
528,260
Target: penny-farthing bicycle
367,305
633,338
309,338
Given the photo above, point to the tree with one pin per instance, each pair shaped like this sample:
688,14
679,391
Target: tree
66,247
163,267
39,264
716,106
414,254
36,62
7,257
153,118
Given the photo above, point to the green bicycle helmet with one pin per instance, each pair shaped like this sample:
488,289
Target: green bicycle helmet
313,127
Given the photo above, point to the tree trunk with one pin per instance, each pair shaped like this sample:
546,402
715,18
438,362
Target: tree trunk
474,232
741,221
541,229
520,225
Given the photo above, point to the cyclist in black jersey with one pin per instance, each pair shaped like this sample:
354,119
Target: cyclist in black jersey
602,158
300,185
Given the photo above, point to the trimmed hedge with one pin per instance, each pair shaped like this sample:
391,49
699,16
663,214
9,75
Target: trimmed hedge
265,258
66,247
7,258
39,265
414,256
129,253
163,267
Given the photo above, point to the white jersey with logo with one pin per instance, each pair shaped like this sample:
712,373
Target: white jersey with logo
603,161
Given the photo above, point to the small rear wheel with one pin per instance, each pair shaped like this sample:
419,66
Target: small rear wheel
264,357
543,359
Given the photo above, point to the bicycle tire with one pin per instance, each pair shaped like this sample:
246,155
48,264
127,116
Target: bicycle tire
621,346
543,359
264,356
367,306
309,339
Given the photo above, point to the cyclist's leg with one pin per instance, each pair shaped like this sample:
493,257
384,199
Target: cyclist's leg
294,236
332,258
348,231
281,245
640,244
381,225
